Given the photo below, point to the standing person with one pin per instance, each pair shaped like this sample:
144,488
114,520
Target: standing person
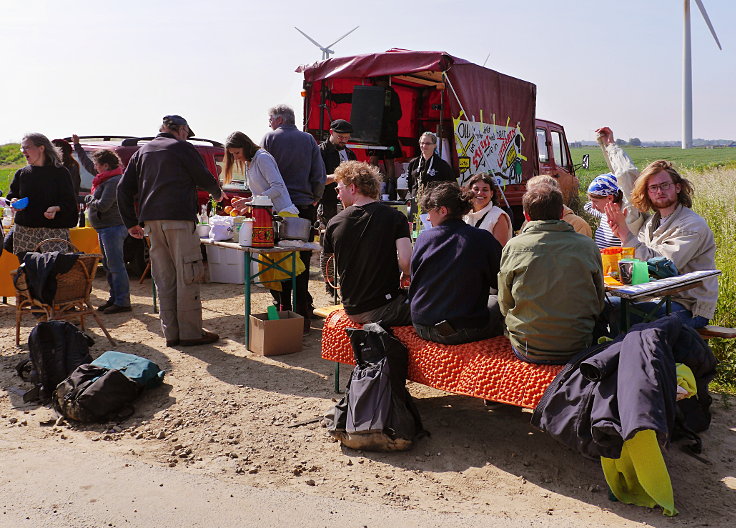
300,163
428,167
104,216
261,172
389,134
372,249
486,213
659,222
162,177
601,191
334,152
453,267
52,204
550,287
69,162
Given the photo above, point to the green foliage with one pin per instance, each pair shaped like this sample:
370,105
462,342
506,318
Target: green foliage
10,154
6,176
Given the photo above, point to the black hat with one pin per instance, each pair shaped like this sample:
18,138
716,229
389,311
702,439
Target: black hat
178,120
341,126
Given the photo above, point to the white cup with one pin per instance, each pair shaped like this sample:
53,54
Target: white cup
245,237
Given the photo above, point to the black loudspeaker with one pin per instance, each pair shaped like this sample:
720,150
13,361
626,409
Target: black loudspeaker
366,114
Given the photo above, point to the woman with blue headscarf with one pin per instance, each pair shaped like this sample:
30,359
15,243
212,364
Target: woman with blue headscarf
602,190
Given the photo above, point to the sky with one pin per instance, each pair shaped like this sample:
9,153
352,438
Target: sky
92,67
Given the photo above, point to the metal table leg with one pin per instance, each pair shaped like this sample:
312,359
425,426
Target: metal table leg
246,292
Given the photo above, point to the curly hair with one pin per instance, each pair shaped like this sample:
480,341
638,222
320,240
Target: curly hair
640,192
364,176
106,156
449,195
490,180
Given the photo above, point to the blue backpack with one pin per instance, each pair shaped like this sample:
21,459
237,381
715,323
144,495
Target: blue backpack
141,370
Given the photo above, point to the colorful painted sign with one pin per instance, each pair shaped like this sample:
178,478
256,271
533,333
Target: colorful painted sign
490,148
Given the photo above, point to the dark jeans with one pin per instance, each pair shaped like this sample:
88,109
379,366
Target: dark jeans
303,298
493,328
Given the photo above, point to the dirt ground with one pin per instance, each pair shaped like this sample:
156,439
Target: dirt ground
250,422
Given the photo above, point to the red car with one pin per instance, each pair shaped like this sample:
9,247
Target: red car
212,153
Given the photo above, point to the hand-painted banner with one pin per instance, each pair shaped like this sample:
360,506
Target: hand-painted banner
488,147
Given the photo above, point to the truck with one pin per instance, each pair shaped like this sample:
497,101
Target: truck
486,120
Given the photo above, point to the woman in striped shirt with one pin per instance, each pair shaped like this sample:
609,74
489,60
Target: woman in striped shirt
602,190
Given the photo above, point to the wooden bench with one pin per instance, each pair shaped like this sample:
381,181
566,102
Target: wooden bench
485,369
722,332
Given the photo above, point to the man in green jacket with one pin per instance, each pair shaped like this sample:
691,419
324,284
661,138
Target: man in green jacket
550,287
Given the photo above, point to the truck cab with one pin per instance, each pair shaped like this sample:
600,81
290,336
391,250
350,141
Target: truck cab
554,158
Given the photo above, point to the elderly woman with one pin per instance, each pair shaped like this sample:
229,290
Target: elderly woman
428,168
104,216
261,172
486,213
601,191
52,204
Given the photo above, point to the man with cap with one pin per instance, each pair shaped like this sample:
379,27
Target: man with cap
601,191
334,151
162,178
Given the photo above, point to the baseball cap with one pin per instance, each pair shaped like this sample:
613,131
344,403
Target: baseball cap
178,120
341,126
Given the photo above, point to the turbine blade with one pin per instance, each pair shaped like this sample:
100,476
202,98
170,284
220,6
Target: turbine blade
310,39
707,21
345,35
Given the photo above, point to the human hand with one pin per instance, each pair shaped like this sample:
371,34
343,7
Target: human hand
616,217
405,280
136,231
605,136
239,203
50,213
75,139
223,196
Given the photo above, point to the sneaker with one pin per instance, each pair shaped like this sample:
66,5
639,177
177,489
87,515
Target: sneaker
206,339
105,306
114,308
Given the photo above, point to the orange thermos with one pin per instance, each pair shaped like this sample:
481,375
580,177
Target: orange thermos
262,226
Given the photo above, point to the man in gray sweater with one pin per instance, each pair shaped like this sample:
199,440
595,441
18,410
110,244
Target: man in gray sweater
660,222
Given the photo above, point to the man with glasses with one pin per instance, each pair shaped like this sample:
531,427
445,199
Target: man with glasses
334,151
658,221
301,166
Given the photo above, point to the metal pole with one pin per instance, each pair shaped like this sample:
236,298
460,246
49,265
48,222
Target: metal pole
687,81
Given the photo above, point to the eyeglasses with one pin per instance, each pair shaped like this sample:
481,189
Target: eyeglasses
662,186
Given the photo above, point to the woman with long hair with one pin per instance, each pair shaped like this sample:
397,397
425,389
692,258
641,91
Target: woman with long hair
486,213
261,171
52,204
69,162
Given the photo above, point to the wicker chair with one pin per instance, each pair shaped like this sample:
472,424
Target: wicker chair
71,300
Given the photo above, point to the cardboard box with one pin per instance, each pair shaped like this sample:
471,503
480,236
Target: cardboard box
277,337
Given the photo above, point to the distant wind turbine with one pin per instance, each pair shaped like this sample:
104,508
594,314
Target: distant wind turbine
326,51
687,72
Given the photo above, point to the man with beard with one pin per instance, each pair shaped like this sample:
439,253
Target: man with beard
660,222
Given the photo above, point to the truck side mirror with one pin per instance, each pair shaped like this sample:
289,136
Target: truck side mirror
586,161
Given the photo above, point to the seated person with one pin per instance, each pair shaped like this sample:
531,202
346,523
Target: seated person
660,222
601,191
453,267
486,213
550,287
568,215
371,246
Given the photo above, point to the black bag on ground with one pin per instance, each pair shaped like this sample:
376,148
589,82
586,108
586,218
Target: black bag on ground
377,413
95,394
56,348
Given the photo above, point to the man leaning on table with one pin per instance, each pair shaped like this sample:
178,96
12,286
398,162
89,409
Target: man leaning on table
660,222
162,177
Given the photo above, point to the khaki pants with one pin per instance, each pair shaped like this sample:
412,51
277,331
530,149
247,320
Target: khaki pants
177,268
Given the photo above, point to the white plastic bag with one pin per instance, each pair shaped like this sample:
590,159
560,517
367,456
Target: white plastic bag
221,228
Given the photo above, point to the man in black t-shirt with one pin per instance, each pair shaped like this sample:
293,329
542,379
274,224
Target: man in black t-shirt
372,249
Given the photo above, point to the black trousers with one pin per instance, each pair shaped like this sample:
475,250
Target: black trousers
303,298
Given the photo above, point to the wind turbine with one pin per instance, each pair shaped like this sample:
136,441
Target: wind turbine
687,73
326,51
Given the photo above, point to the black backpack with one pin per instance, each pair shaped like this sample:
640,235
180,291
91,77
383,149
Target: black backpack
377,412
56,348
95,394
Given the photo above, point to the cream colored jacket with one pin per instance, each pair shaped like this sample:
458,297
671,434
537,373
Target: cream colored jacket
684,237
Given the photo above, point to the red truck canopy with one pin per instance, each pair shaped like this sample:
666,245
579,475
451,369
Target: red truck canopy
487,117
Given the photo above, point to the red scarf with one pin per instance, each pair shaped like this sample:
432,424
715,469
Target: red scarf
103,177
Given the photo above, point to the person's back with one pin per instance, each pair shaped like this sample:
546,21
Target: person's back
550,287
363,239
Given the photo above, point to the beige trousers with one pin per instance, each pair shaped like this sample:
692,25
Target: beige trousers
177,269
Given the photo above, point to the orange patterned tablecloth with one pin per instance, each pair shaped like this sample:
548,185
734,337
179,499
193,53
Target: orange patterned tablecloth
485,369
